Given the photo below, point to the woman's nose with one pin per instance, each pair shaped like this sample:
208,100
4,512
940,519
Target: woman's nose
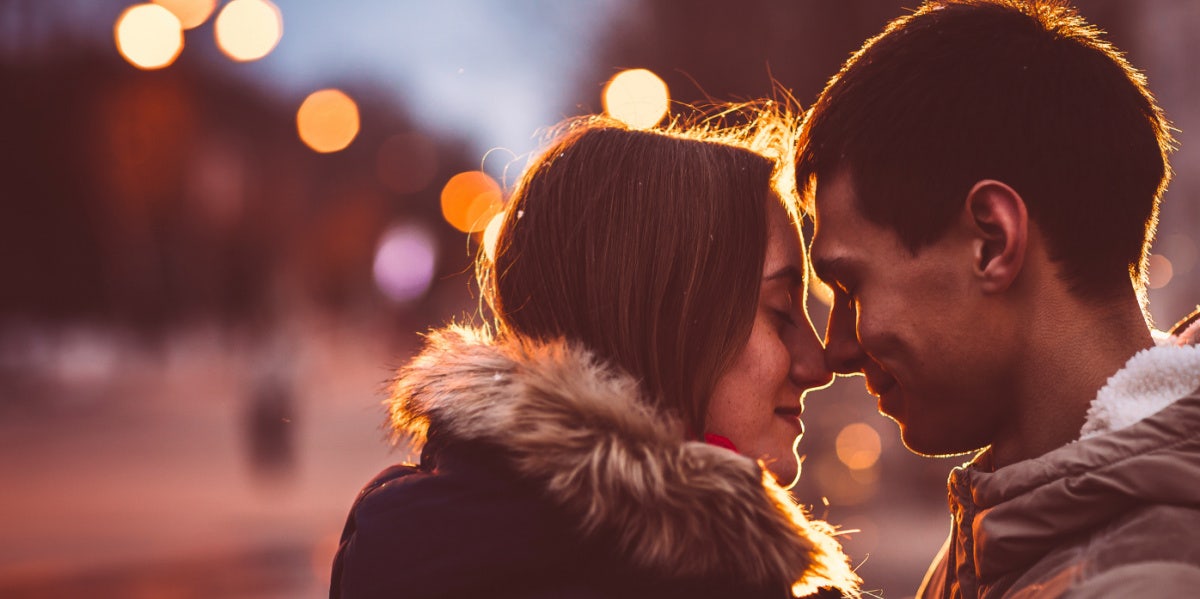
808,370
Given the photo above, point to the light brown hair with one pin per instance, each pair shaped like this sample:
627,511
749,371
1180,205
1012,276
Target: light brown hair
646,247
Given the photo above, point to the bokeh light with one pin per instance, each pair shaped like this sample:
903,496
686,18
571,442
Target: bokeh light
1161,271
1182,251
491,235
858,446
470,200
637,97
148,36
327,120
191,13
404,262
406,162
248,29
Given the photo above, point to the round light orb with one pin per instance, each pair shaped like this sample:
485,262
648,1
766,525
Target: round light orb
637,97
327,120
858,446
148,36
470,200
405,262
248,29
191,13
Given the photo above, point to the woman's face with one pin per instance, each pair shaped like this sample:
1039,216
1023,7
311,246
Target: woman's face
757,402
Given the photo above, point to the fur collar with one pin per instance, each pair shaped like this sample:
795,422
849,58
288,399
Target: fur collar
1151,380
581,431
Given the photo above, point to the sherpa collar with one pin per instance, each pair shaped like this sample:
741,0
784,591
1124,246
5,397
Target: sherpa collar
580,431
1151,380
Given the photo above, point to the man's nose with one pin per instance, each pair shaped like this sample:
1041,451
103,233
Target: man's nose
843,353
809,369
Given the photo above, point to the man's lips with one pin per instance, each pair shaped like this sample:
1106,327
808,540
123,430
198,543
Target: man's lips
877,385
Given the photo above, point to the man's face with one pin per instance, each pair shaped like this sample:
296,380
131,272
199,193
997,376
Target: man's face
916,326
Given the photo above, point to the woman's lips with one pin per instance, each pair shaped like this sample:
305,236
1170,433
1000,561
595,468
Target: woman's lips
789,411
791,415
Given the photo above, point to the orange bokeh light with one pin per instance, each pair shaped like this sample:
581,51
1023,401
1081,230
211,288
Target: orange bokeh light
248,29
191,13
148,36
1161,271
858,446
637,97
470,200
327,120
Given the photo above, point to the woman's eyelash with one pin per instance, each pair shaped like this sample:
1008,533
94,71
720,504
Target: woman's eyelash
786,317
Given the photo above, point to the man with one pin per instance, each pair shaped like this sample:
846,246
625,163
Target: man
986,177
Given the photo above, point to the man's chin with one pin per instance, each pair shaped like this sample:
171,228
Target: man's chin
935,445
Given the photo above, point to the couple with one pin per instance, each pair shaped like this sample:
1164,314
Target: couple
984,179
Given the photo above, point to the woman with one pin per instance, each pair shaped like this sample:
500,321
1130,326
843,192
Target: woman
648,289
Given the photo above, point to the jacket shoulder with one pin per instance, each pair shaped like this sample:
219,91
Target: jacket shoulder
1144,579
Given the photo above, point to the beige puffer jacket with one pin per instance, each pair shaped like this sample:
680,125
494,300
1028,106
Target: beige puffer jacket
1115,514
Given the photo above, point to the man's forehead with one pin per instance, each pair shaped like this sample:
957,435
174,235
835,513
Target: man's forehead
833,209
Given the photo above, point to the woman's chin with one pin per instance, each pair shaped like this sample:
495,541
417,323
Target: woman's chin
786,470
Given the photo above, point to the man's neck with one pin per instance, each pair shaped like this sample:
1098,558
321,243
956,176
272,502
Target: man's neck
1072,349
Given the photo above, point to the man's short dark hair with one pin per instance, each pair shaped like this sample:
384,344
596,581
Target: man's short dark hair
1027,93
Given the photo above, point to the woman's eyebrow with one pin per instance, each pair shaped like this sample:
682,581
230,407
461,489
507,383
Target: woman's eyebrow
790,273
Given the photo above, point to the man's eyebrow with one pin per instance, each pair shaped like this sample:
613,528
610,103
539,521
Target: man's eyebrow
829,269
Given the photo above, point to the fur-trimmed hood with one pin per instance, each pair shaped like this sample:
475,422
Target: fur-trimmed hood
582,433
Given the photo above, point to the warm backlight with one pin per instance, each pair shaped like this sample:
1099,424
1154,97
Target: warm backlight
148,36
637,97
470,200
248,29
191,13
327,120
858,446
491,235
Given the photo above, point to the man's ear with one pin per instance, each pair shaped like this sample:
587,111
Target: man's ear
999,223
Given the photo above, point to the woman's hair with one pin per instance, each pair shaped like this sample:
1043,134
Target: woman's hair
645,246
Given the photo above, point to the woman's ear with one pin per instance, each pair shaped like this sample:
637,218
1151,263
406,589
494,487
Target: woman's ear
999,224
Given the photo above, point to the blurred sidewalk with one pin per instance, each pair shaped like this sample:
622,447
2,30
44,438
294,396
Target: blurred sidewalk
128,473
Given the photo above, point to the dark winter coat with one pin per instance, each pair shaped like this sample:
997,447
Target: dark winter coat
545,474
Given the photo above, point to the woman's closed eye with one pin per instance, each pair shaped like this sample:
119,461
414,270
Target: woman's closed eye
785,317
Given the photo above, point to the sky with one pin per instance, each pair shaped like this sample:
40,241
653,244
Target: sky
493,73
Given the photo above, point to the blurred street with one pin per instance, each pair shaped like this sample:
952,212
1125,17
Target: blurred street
128,474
